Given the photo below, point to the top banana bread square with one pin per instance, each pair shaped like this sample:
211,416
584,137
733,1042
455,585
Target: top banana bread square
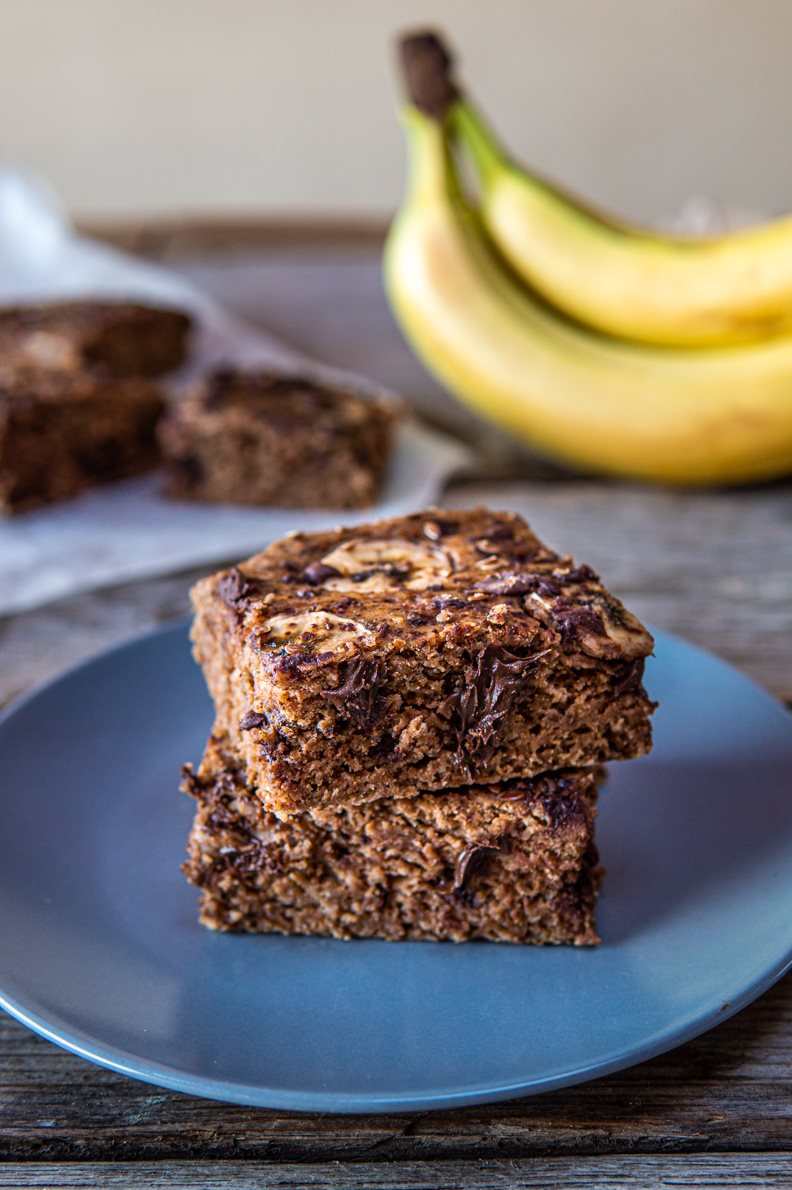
119,338
417,654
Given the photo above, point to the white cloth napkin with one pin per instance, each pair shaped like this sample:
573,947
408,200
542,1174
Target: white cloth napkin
126,531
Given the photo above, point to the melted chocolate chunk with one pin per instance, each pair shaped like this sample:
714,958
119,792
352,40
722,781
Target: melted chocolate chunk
561,805
581,574
318,573
342,604
470,861
357,696
253,719
391,570
549,586
438,527
520,584
628,678
573,621
488,691
235,589
500,531
418,618
441,602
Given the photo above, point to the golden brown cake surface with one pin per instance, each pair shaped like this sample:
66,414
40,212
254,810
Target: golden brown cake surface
417,654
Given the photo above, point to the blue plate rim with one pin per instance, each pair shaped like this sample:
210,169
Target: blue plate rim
249,1095
83,1045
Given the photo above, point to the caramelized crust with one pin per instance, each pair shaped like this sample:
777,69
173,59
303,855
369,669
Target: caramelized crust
417,654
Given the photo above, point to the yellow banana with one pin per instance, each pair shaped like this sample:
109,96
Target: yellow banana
626,281
672,415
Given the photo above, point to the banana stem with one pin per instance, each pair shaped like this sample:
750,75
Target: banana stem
427,66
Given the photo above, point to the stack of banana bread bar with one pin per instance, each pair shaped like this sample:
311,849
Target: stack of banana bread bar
411,718
79,395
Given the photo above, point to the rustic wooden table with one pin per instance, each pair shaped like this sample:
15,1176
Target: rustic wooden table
715,568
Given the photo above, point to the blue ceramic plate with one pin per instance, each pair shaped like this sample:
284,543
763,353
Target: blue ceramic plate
100,950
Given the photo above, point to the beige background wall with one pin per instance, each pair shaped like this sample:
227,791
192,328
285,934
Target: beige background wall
281,106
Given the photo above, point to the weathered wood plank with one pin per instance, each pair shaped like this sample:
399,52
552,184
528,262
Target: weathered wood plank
729,1090
639,1173
187,237
36,645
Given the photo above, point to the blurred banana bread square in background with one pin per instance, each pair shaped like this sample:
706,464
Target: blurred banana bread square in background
78,405
119,338
62,432
259,437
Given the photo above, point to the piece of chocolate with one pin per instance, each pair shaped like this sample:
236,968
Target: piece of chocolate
356,697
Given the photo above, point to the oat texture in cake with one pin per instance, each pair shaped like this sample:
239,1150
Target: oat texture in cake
514,862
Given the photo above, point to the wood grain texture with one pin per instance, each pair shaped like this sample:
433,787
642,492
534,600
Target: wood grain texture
185,238
715,568
727,1091
639,1173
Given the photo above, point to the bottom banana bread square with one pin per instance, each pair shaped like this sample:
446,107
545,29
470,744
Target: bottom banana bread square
514,862
63,432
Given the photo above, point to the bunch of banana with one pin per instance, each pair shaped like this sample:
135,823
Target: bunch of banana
487,295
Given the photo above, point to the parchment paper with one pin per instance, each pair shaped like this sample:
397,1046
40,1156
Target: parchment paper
126,531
